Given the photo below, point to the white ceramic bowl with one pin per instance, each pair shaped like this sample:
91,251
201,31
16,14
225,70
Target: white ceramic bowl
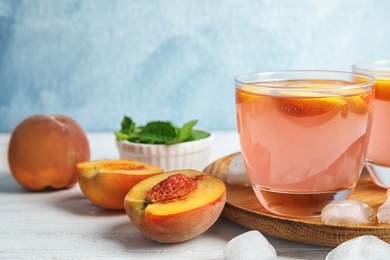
187,155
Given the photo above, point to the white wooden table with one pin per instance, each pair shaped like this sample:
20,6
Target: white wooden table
64,225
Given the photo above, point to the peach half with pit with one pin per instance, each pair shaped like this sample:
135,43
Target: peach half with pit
44,150
175,206
106,182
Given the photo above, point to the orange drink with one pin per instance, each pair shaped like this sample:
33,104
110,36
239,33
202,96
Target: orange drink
378,153
303,136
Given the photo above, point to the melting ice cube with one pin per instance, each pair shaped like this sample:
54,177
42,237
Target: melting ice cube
249,246
383,213
237,172
346,212
359,248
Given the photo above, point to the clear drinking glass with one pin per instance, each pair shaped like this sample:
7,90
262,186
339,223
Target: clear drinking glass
378,153
303,136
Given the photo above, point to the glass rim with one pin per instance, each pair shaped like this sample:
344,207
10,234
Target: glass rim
375,68
369,80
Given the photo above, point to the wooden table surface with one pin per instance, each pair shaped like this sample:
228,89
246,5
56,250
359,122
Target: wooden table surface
64,225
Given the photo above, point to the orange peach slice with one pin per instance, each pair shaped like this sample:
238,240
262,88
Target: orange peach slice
308,106
175,206
106,182
249,94
359,104
382,89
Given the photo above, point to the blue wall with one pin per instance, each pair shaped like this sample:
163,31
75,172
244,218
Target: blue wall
175,60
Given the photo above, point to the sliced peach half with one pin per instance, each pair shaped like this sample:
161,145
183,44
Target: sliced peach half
106,182
175,206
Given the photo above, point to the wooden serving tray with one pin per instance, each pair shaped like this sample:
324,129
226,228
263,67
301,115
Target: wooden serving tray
243,208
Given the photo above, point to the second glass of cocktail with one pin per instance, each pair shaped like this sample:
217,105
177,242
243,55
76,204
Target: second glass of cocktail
378,153
303,136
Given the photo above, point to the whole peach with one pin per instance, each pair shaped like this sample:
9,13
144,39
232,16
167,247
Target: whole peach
44,150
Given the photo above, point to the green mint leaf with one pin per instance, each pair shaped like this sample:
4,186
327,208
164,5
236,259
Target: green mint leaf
121,136
158,132
127,129
196,135
128,125
186,130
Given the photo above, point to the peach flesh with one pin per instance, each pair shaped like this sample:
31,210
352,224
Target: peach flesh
178,219
106,182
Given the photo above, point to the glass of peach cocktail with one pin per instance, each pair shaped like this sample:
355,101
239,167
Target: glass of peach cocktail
378,153
303,136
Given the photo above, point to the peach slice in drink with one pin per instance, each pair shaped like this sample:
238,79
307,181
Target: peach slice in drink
308,106
382,89
358,104
250,93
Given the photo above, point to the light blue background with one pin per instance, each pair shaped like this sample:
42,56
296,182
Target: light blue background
174,60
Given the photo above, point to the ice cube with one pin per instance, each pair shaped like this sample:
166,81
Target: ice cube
359,248
345,212
237,172
383,213
249,245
